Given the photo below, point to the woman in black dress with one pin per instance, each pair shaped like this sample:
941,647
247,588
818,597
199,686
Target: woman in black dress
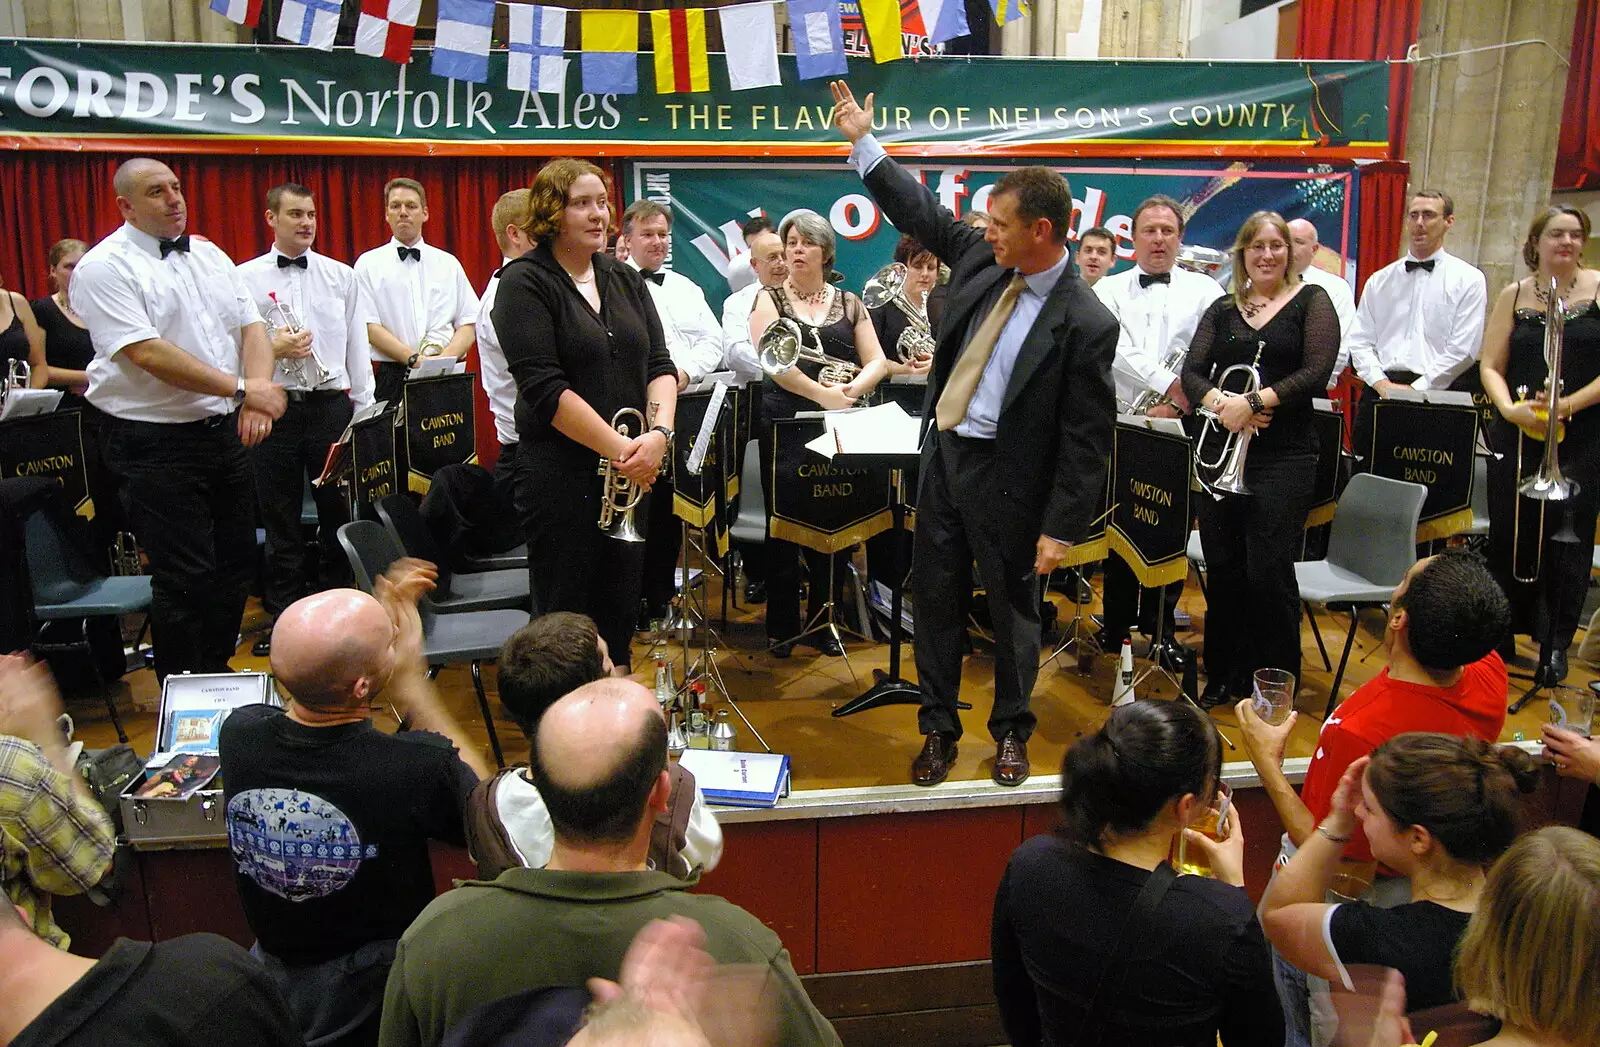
891,321
838,318
1514,371
1196,966
21,339
582,339
1289,331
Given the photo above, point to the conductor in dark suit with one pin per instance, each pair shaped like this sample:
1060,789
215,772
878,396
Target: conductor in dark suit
1021,406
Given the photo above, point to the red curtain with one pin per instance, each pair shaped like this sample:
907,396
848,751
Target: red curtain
1365,30
1578,156
46,196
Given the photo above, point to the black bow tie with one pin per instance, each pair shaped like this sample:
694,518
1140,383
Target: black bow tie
284,261
1413,265
1146,279
177,243
658,277
413,253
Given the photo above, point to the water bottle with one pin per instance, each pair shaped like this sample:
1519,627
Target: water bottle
666,689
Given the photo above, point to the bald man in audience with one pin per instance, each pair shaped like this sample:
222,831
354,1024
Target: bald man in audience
329,818
1302,261
600,763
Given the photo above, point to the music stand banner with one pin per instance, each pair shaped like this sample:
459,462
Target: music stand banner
820,505
694,498
1150,491
375,468
48,445
1433,445
1329,427
439,426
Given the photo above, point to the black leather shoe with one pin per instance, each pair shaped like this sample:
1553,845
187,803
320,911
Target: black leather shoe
755,592
1552,667
1111,642
781,650
1074,586
932,764
1175,657
826,643
262,648
1011,761
1216,693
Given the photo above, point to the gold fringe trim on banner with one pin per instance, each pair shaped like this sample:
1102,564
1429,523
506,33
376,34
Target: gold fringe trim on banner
85,509
1086,552
1149,575
830,541
1320,514
691,513
732,490
1444,526
722,542
418,483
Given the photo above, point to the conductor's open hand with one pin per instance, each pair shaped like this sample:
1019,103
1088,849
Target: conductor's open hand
1049,554
852,119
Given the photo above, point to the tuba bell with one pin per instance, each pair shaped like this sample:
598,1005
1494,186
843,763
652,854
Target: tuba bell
1221,472
888,287
782,346
620,496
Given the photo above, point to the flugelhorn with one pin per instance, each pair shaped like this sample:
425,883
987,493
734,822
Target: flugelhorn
782,346
287,320
1547,484
888,287
620,496
1228,462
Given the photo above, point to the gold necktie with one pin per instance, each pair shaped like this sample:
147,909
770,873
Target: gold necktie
963,382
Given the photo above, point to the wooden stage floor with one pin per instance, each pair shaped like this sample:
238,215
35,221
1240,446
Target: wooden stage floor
789,702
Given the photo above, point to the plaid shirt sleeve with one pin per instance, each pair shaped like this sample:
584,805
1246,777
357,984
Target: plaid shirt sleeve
59,840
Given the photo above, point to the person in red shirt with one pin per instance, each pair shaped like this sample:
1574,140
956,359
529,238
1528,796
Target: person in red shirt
1445,619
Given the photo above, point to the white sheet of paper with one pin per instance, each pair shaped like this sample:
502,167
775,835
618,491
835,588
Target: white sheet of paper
885,429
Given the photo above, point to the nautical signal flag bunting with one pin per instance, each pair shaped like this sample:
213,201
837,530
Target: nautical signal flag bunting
610,52
679,36
461,40
386,28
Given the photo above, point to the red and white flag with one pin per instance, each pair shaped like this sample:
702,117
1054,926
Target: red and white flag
386,28
244,12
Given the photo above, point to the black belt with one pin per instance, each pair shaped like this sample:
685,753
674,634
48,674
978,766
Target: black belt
314,395
1401,375
969,443
212,422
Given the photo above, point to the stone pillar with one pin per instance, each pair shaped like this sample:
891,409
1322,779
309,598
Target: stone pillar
1126,28
1483,127
140,20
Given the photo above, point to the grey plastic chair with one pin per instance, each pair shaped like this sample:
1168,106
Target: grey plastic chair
750,526
1197,557
1371,545
482,591
474,637
67,588
1480,498
513,559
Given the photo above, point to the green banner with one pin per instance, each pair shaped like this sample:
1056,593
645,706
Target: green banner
234,98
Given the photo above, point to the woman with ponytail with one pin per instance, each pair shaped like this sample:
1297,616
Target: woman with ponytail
1438,810
1094,941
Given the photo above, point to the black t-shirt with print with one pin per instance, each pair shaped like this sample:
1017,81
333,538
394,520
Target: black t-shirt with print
329,828
1417,939
195,991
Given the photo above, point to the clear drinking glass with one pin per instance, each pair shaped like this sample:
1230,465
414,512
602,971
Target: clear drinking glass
1210,825
1273,697
1572,709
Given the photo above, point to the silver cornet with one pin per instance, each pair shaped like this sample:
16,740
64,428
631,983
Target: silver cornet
888,287
287,320
18,374
1227,464
620,496
782,346
1148,399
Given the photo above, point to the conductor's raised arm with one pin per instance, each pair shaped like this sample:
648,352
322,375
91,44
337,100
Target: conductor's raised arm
909,205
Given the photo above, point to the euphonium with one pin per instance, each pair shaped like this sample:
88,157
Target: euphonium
620,496
1228,462
782,346
888,287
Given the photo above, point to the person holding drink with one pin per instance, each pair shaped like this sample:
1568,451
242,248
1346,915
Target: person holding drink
1085,920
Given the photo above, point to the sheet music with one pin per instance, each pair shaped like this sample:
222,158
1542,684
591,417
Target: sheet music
885,429
708,429
25,403
433,366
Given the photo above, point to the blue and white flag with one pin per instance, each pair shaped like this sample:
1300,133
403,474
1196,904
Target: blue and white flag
244,12
944,19
309,23
818,38
461,40
538,38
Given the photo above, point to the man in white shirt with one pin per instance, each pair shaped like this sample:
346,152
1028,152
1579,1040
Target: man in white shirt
1158,304
317,323
741,266
507,218
183,367
1420,321
422,303
1302,261
694,339
766,255
1097,254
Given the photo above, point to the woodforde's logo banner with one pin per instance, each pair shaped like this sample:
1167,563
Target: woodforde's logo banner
234,98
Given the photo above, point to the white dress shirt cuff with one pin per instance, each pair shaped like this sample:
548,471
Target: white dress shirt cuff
866,154
1374,376
1161,380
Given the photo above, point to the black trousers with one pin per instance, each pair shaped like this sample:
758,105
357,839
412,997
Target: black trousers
389,381
661,551
1561,569
1126,602
955,526
192,502
572,564
1251,543
297,449
105,486
1361,431
783,565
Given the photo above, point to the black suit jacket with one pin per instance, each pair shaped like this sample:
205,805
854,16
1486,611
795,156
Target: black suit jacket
1054,434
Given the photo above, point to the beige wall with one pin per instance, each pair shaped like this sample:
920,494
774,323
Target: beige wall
153,20
1127,28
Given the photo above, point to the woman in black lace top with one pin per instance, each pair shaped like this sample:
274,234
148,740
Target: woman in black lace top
1513,368
1288,330
838,320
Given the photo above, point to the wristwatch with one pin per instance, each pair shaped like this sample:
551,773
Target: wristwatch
411,361
238,391
664,431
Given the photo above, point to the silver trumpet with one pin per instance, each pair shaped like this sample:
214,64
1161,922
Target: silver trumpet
1149,398
1226,465
620,496
888,287
283,318
782,346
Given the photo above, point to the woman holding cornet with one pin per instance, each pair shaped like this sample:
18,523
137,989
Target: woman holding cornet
1523,542
596,396
835,320
1282,335
901,321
